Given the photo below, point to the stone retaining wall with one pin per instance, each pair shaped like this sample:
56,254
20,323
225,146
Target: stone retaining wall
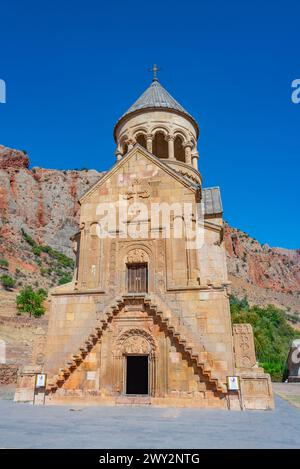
8,374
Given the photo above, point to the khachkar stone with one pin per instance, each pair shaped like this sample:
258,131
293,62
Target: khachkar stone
147,313
294,362
244,346
27,374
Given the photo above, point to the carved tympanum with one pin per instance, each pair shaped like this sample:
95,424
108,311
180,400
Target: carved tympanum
137,256
136,345
135,341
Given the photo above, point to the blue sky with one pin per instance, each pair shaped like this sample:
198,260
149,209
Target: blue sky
72,68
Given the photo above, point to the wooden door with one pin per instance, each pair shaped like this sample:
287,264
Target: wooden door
137,278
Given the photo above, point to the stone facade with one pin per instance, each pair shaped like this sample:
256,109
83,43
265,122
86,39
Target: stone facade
8,374
176,318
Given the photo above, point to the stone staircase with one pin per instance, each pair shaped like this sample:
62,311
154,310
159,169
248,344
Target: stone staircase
181,334
192,345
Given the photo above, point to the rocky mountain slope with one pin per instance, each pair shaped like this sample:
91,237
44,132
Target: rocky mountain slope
263,274
39,212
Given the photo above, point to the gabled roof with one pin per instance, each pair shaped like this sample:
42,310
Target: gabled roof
137,147
156,97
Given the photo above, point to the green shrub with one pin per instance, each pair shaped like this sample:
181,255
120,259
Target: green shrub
37,249
65,279
28,238
7,282
31,302
276,369
3,263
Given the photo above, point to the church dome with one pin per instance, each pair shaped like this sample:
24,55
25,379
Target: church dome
160,124
156,97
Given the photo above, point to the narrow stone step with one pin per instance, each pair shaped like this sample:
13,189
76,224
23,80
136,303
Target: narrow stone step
133,400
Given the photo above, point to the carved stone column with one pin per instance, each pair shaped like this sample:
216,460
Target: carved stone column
118,374
195,157
188,150
152,374
149,142
171,154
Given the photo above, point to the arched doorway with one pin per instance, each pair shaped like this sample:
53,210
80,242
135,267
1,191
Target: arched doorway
135,363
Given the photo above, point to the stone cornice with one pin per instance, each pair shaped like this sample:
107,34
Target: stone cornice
79,292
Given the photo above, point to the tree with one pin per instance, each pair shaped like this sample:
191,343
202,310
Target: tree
7,282
30,301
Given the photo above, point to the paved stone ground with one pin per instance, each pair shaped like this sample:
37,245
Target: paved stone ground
289,392
25,426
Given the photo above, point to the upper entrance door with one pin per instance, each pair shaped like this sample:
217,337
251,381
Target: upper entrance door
137,278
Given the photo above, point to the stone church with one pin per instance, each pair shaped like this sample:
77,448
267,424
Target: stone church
146,318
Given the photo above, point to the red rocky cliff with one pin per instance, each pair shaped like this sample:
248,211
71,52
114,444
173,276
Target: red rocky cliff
10,158
263,274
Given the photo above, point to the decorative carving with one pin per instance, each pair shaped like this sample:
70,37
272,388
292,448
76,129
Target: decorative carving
112,265
38,353
170,137
40,359
244,346
188,175
135,341
136,190
137,256
136,344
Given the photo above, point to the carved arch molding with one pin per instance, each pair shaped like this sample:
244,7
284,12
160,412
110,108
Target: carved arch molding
137,256
135,341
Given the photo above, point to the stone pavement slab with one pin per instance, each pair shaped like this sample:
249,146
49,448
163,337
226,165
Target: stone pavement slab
27,426
289,392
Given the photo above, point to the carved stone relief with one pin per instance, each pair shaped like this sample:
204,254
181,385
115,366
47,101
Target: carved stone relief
244,346
138,189
137,256
135,341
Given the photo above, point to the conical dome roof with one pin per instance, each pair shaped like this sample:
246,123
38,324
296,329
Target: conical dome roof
157,97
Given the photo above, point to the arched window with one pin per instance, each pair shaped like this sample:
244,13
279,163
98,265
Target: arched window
124,148
179,149
141,139
160,145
